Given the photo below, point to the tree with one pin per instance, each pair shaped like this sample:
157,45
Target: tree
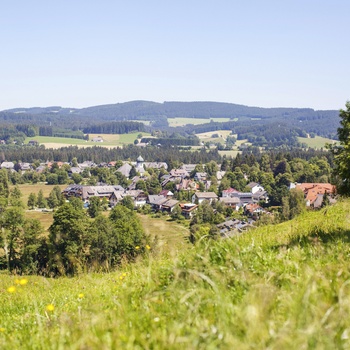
53,201
176,214
41,201
32,200
15,197
293,204
128,202
341,152
68,237
95,207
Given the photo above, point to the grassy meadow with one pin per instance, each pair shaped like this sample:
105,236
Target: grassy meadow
316,142
275,287
195,121
110,140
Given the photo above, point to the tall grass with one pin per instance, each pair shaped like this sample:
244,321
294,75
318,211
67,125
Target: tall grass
277,287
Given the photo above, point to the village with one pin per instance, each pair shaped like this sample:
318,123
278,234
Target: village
182,190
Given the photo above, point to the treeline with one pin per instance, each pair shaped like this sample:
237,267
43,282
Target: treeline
97,154
114,128
179,141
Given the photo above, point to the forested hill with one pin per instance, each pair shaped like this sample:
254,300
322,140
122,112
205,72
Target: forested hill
150,110
306,120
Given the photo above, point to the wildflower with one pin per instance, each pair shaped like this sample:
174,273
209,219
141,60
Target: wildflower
50,307
11,289
156,319
148,247
2,330
23,281
81,295
121,277
124,274
137,247
17,281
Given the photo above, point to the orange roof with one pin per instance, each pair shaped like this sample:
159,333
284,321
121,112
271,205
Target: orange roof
312,190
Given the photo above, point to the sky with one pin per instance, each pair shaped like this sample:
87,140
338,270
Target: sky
291,53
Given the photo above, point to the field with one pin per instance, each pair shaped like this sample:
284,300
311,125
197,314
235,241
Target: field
277,287
316,142
195,121
26,189
110,140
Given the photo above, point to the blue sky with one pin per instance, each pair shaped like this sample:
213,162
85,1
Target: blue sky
258,53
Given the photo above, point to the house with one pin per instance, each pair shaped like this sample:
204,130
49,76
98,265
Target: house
159,202
169,205
138,197
188,167
167,194
33,143
156,201
85,192
24,166
255,187
7,165
229,192
97,139
125,169
232,202
232,227
220,175
253,208
86,164
199,197
312,190
74,170
188,209
200,177
175,175
156,165
187,185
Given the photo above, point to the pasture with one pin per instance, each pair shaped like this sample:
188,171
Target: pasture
195,121
109,140
316,142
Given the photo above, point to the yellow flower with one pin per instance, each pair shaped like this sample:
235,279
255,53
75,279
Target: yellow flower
124,274
148,247
23,281
81,295
137,247
17,281
121,277
11,289
2,330
50,307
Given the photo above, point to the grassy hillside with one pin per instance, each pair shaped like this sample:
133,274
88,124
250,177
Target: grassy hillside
315,142
277,287
110,140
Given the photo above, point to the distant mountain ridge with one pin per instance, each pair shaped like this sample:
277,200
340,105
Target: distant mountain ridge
149,109
243,119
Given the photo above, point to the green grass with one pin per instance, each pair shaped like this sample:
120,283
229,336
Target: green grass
110,140
194,121
316,142
276,287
